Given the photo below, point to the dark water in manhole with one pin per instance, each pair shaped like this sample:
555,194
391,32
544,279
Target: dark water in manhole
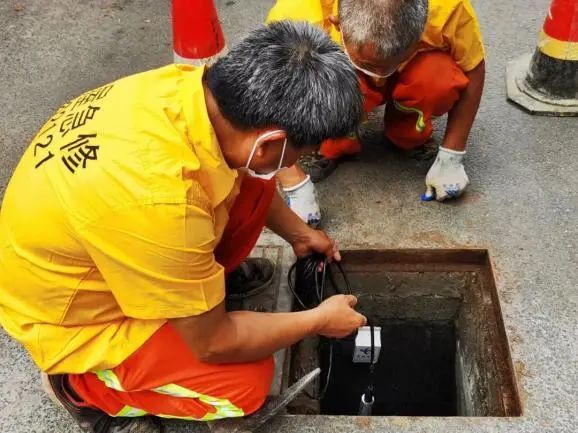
415,374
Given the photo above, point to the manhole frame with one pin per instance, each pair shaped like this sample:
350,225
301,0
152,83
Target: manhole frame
439,260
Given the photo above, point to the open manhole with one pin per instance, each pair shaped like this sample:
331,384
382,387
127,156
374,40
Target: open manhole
444,350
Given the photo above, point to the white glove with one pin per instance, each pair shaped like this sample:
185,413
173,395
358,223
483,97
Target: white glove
447,177
302,199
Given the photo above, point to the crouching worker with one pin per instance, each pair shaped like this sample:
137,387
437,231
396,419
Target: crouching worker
137,199
423,59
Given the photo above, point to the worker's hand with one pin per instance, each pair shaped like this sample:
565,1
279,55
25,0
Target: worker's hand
447,177
316,241
338,318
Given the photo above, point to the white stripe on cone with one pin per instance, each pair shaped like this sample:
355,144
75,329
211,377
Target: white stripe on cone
198,62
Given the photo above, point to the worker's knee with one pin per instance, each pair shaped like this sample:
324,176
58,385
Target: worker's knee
434,79
264,369
335,148
256,380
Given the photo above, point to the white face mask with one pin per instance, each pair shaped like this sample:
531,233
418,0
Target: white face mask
365,71
270,175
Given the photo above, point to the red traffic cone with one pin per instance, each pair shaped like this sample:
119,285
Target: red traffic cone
547,82
197,33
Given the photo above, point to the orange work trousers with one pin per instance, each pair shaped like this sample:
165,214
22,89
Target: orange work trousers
427,87
163,377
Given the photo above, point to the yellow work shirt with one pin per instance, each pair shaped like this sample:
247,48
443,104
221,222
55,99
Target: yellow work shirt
451,26
109,223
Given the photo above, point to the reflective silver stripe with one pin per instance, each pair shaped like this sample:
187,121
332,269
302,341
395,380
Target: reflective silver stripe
223,407
176,391
420,124
129,411
110,379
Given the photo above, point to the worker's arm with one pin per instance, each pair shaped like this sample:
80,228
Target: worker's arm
462,115
447,176
245,336
305,240
158,261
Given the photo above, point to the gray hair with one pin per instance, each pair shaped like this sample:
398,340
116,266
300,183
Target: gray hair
288,75
393,26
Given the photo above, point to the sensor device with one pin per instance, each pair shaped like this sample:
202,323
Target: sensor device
362,351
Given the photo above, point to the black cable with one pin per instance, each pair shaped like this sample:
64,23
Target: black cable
330,368
291,287
324,391
323,274
317,286
320,292
333,282
369,390
344,274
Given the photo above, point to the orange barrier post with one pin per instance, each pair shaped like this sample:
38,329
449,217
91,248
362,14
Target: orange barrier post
197,34
547,82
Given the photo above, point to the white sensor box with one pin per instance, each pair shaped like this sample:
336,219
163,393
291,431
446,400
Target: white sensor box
362,352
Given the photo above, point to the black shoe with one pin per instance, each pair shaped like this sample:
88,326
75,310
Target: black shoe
426,153
252,277
318,166
93,420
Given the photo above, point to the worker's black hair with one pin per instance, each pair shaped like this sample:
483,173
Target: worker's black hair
292,76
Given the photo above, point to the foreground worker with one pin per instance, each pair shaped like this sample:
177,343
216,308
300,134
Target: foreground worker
132,204
423,58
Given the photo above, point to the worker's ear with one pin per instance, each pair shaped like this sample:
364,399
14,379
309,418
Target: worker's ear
268,138
335,21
